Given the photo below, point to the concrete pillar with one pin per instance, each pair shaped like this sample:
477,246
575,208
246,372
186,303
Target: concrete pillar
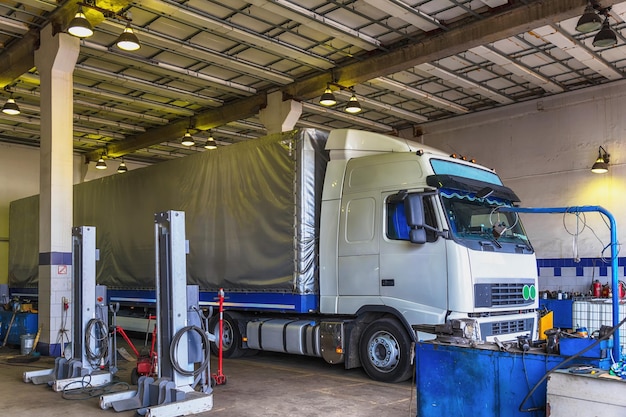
55,60
280,116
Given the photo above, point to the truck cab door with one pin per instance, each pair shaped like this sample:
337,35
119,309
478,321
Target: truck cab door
413,276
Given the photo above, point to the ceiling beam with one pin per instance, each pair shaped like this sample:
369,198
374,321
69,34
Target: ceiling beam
176,129
510,22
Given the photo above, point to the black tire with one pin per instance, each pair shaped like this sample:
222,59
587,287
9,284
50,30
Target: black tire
134,377
231,340
385,351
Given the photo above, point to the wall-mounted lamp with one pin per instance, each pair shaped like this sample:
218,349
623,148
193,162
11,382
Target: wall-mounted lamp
591,21
601,165
10,107
82,28
210,142
101,164
122,168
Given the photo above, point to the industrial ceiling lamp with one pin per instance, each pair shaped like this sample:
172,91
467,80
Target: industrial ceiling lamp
601,166
10,107
101,164
606,37
353,105
210,142
328,98
589,21
122,168
188,139
80,26
128,41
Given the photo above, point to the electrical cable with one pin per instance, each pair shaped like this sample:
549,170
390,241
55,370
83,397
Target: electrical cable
526,375
86,391
174,347
586,226
102,341
606,336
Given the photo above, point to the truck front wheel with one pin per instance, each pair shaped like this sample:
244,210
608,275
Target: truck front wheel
385,351
231,337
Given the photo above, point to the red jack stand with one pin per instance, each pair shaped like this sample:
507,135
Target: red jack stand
220,378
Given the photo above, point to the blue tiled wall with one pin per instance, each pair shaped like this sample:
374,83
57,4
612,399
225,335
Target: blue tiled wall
576,277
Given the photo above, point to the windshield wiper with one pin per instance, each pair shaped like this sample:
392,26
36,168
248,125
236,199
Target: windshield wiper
491,240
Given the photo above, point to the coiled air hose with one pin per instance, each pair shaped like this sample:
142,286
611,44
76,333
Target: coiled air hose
174,347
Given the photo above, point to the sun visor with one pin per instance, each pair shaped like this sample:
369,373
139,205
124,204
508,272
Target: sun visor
472,186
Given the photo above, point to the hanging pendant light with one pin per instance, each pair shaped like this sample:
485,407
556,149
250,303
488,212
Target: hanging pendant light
101,164
188,139
353,105
10,107
210,143
128,41
122,168
328,98
606,37
80,26
589,21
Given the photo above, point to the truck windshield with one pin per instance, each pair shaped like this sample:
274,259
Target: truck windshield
474,220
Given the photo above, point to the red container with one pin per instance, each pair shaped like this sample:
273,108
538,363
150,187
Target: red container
597,288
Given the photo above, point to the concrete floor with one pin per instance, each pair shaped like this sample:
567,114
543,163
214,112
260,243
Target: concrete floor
264,385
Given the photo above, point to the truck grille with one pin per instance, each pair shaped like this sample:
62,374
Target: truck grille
504,294
506,327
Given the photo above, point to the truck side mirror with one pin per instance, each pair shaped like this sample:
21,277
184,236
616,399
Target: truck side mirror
417,235
414,213
414,210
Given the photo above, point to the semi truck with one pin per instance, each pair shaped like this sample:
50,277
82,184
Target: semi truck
329,244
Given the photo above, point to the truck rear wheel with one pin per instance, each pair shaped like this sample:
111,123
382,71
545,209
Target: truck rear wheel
385,351
231,337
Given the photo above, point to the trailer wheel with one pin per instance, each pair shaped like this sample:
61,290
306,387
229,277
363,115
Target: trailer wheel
385,350
231,337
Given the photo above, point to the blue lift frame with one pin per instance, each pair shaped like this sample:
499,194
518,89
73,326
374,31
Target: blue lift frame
614,266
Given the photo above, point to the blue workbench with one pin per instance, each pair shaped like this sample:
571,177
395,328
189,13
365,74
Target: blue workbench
459,380
24,323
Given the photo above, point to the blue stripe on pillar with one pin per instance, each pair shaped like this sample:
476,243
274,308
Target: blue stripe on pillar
55,258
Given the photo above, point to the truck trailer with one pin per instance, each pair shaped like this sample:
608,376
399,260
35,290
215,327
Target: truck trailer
330,244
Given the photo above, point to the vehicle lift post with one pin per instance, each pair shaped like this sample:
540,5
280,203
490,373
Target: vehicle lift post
90,313
181,342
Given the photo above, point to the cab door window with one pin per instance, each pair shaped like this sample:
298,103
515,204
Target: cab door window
397,226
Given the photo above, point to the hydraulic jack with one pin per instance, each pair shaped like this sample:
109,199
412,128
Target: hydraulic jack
182,345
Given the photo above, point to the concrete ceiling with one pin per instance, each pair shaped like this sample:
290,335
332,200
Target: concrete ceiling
207,66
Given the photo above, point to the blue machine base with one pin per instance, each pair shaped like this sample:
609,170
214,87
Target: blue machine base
481,382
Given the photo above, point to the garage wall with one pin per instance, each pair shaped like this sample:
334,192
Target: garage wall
19,174
19,171
544,151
